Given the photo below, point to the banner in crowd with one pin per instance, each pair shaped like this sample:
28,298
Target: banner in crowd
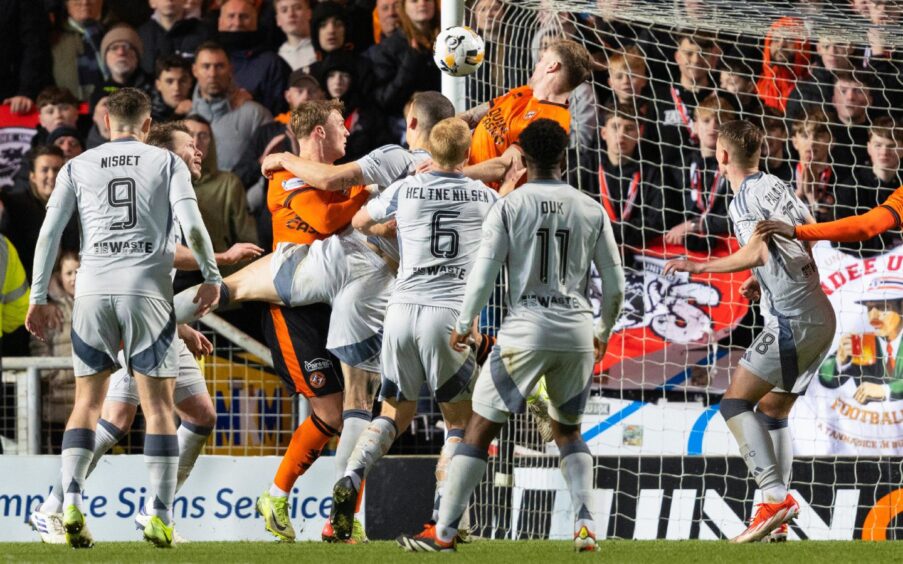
855,406
664,311
215,504
16,132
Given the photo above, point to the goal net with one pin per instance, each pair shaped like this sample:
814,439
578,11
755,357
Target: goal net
823,80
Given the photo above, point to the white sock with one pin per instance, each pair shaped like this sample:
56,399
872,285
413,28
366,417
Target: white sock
373,444
161,454
452,439
464,474
779,431
756,448
78,449
577,467
276,491
192,439
354,423
105,437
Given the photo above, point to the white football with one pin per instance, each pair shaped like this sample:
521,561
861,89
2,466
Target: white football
458,51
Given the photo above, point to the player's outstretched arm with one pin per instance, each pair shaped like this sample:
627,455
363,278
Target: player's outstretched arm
207,296
753,254
331,178
607,260
239,252
847,230
480,283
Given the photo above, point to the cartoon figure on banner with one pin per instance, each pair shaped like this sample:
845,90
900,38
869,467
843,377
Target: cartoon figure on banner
873,359
673,307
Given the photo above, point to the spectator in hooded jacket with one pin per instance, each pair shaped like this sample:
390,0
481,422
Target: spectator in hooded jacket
217,99
785,61
403,61
23,32
261,72
170,32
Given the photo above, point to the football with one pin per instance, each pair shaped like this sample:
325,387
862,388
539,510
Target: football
458,51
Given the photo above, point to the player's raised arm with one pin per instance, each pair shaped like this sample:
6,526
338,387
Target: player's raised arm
473,116
847,230
607,260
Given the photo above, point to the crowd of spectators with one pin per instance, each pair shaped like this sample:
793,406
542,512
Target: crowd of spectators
643,129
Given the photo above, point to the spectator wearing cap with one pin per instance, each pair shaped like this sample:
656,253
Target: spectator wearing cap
276,136
403,62
171,98
24,32
261,72
77,56
68,139
293,18
217,99
29,205
367,125
122,49
170,31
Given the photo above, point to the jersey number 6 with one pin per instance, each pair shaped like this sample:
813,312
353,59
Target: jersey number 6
443,240
121,194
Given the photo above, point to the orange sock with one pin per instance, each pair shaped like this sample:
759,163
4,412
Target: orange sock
360,497
307,442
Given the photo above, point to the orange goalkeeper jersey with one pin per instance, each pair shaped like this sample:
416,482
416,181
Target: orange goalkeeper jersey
858,227
508,116
302,214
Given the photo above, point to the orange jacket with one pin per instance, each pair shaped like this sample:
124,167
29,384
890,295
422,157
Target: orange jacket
779,80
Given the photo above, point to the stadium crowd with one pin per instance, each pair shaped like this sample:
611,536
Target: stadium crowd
643,129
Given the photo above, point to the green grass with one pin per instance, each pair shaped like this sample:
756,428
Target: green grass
645,552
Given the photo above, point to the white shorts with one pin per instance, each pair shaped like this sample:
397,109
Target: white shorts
189,382
343,272
416,350
145,327
510,375
789,350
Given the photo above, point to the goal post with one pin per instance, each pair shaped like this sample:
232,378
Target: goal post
824,83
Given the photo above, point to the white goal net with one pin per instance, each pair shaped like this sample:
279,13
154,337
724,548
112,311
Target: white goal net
823,79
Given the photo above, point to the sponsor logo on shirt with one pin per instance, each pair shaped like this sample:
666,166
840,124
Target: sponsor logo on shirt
317,364
293,184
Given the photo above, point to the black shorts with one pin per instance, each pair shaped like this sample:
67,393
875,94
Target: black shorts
297,337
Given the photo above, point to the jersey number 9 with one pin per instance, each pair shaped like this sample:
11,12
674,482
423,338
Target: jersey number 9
121,194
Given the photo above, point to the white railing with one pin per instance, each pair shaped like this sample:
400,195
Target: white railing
25,374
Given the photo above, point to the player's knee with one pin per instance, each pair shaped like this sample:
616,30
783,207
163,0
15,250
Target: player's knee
331,417
775,406
732,407
120,414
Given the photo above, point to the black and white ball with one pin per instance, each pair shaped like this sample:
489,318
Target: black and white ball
458,51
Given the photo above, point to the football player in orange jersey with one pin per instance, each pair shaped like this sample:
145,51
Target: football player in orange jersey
316,263
498,123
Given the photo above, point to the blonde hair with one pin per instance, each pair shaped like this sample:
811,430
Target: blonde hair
450,142
630,58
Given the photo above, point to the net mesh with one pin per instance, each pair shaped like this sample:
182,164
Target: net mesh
823,81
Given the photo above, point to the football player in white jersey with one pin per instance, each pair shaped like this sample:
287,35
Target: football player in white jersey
193,404
799,325
126,194
548,235
439,217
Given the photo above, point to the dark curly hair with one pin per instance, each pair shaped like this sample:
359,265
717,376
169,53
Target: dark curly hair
544,142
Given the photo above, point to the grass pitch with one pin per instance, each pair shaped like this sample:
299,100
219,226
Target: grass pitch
645,552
